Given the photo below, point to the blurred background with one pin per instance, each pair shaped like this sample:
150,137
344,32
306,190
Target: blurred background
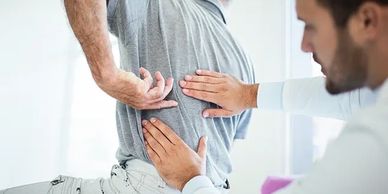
55,120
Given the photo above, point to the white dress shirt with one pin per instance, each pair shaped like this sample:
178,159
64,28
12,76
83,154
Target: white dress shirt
309,97
356,162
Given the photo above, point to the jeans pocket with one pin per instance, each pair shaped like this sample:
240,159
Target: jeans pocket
123,182
152,184
65,184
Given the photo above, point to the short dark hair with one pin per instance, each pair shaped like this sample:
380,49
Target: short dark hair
342,10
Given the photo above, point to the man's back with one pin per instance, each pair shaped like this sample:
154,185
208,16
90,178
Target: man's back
176,37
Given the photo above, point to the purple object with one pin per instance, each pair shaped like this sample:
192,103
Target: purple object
273,184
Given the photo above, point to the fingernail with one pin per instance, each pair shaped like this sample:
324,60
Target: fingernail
144,122
185,91
188,77
206,139
144,130
153,120
199,71
205,114
182,83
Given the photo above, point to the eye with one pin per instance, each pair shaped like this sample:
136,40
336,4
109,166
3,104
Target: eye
308,27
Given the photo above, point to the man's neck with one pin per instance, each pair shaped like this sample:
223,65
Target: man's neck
378,70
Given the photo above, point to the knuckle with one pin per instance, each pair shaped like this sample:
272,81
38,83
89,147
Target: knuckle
160,93
147,136
157,136
139,90
152,143
189,85
196,94
157,122
168,149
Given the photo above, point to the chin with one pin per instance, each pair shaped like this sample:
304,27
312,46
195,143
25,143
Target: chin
335,88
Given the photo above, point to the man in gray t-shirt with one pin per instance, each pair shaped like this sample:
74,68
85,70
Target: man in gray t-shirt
177,37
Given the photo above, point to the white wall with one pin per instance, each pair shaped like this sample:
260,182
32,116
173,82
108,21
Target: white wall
34,77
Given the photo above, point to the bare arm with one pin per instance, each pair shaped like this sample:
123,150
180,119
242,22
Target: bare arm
88,21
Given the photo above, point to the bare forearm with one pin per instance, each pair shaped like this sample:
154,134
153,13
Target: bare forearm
88,21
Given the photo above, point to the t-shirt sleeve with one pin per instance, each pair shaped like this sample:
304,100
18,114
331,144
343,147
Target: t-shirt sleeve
243,125
122,13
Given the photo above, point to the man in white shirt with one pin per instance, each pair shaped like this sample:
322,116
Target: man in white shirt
350,38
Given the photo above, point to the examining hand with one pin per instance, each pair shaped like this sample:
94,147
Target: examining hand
139,93
224,90
175,161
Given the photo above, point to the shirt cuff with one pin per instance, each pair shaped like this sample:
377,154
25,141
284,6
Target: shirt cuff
196,183
270,96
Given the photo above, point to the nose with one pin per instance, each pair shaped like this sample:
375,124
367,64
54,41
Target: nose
306,43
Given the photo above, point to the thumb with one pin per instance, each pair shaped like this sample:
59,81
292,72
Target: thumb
217,113
202,147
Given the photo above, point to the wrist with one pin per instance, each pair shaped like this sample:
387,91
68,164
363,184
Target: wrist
197,183
188,178
252,91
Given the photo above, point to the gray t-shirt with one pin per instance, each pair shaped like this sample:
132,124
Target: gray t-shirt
177,37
